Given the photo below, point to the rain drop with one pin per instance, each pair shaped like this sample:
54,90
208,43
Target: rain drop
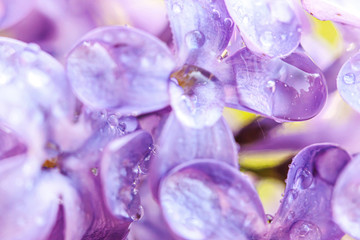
195,39
177,8
349,78
113,120
304,178
216,14
267,39
228,22
269,218
271,85
139,215
304,230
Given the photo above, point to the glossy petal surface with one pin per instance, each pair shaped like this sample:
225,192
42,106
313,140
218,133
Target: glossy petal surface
201,29
348,82
207,199
121,68
197,98
305,211
120,172
33,87
346,199
179,143
12,11
344,11
267,26
292,88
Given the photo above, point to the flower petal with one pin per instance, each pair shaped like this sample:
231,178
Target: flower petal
268,27
292,88
120,172
32,93
207,199
12,11
201,29
348,81
179,143
345,200
121,68
305,210
346,11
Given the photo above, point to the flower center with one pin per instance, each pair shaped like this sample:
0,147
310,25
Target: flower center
53,160
197,96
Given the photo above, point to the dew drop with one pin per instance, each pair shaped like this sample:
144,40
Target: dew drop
113,120
139,215
304,230
195,39
291,215
349,78
304,178
216,14
177,7
267,39
269,218
228,22
94,171
271,85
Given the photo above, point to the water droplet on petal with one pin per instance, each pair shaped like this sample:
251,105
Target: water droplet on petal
177,8
349,78
139,215
228,22
304,230
271,85
216,14
113,120
195,39
304,178
269,218
94,171
267,39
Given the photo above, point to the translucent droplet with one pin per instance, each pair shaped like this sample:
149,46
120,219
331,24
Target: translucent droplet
228,22
304,178
139,215
216,14
291,215
267,39
271,85
177,7
349,78
94,171
113,120
195,39
304,230
293,194
269,218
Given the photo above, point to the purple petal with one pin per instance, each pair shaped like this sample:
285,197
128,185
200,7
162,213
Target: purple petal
179,143
12,11
32,93
207,199
121,68
305,211
197,98
268,27
348,81
120,172
201,30
346,199
292,88
346,11
10,144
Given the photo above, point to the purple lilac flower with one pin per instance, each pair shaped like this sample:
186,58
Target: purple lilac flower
67,172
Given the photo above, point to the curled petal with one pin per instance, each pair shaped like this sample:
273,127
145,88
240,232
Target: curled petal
346,11
305,210
346,199
348,81
121,68
201,29
268,27
292,88
120,172
207,199
179,143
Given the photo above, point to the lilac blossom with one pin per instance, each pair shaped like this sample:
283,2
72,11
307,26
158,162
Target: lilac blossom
62,165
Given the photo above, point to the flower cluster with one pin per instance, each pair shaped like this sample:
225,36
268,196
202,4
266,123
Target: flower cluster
117,132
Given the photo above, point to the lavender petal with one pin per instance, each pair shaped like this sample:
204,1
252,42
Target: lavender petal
121,68
268,27
305,211
291,89
179,143
201,30
207,199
